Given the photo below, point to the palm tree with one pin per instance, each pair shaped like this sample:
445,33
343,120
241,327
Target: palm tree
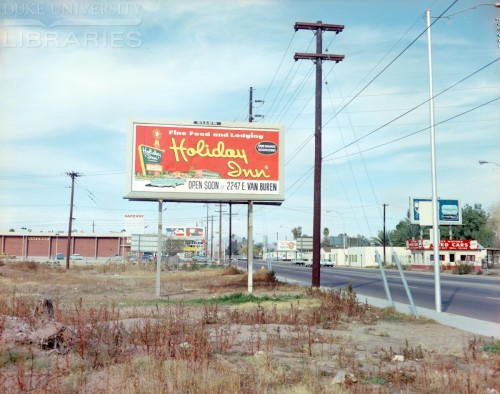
326,240
297,232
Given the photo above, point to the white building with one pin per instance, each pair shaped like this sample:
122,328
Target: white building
418,254
451,254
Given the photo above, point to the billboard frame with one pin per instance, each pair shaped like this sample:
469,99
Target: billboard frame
442,202
269,191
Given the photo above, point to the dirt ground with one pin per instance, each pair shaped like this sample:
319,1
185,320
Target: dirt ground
375,350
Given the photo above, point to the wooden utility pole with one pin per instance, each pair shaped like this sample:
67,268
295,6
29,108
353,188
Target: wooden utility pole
318,58
73,175
251,117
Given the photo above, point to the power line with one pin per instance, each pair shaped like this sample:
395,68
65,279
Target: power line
279,66
414,108
386,67
408,135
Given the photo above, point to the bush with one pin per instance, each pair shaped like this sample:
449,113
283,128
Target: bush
463,268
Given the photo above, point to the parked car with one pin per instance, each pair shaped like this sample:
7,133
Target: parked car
147,256
58,256
322,263
299,261
200,259
76,257
326,263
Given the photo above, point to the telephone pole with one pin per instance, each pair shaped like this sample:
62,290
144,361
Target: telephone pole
250,107
318,58
73,175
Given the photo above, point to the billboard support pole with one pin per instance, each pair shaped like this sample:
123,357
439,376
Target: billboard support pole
250,247
219,253
230,232
158,249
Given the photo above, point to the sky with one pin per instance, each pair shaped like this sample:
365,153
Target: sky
75,73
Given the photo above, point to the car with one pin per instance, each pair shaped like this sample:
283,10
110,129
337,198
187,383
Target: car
200,259
58,256
322,263
326,263
167,182
76,257
299,261
147,256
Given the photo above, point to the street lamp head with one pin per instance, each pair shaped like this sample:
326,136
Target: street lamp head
469,8
488,162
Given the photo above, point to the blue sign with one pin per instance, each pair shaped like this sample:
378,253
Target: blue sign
449,211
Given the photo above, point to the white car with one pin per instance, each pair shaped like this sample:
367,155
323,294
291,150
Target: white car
76,257
326,263
322,263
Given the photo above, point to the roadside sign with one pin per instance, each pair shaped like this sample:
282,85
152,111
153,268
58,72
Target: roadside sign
449,211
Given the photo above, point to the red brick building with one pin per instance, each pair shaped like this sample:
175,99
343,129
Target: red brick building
44,245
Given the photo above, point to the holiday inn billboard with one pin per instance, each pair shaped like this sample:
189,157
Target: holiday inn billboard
204,161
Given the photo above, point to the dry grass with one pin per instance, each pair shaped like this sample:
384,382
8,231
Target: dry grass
206,335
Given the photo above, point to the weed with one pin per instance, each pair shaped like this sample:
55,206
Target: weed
493,347
462,268
28,266
231,270
205,340
412,353
10,356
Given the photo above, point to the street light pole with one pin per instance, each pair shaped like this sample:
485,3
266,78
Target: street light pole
385,237
277,237
435,216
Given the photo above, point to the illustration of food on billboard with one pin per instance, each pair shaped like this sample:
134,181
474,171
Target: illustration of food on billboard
206,159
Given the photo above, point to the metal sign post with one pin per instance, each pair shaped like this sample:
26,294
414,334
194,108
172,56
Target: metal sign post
159,248
250,247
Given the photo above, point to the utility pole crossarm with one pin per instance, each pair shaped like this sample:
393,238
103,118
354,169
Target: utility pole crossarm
320,56
318,25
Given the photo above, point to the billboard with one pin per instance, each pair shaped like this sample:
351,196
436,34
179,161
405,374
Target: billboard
205,161
287,246
449,211
185,231
134,223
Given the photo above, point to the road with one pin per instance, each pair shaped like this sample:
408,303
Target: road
474,296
